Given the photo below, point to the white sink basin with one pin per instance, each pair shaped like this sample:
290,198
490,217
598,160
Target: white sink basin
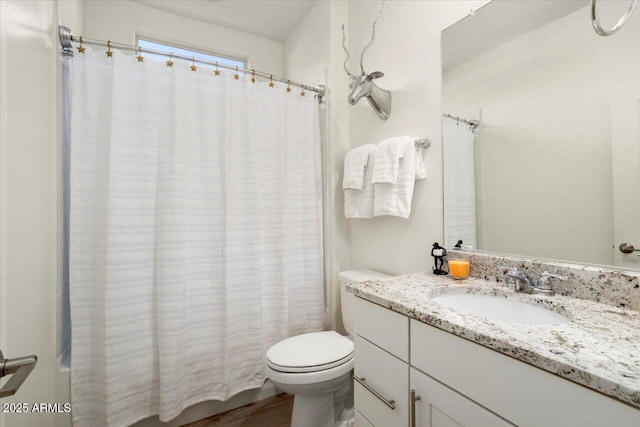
500,309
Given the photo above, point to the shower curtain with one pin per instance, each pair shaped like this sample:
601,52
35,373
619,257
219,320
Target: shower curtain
459,184
195,233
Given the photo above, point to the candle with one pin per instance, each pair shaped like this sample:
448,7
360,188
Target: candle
459,268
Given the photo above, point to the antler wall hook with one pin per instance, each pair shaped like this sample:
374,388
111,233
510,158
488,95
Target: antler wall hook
362,85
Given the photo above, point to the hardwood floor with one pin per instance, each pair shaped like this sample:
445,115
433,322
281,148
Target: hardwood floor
272,412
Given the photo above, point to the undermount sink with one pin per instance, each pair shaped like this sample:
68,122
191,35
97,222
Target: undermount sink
500,309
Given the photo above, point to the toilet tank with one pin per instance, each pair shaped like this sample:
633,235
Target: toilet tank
347,299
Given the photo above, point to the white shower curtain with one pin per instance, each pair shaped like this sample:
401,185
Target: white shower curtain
195,234
459,184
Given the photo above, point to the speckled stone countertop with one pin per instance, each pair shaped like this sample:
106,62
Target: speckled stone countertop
599,348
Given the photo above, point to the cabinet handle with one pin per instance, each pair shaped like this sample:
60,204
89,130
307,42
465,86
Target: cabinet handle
389,403
414,399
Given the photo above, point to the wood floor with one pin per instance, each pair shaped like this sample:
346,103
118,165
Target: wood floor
272,412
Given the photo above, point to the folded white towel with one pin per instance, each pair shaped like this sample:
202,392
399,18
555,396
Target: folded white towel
354,165
387,158
359,203
395,199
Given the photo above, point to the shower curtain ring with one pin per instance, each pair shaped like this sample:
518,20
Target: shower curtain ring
216,72
236,75
253,76
109,52
170,62
193,63
80,48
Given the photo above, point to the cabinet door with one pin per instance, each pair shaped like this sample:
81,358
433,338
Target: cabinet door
360,421
439,406
505,385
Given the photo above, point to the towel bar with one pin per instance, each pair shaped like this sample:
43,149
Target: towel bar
423,143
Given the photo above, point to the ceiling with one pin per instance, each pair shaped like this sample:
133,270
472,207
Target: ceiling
271,19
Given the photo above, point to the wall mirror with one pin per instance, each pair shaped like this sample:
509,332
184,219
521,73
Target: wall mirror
553,168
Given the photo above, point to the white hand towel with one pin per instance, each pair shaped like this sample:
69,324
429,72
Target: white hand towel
421,171
359,203
354,164
387,158
395,199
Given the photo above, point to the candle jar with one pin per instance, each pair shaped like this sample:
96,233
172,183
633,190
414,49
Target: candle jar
459,268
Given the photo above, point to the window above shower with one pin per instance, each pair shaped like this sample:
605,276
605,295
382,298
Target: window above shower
176,50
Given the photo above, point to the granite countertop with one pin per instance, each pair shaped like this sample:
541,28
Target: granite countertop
599,348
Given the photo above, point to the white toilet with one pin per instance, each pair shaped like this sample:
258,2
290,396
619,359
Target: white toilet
317,367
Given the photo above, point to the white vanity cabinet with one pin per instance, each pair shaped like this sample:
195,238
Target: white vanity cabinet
456,382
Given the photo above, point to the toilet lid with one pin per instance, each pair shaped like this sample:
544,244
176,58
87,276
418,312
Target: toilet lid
311,352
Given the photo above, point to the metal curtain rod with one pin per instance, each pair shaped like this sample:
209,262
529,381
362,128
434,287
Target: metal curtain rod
473,123
66,40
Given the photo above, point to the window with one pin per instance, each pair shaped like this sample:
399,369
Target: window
148,44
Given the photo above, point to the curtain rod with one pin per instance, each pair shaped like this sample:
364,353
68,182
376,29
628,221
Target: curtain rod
67,38
473,123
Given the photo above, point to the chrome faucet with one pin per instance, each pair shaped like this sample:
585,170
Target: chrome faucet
523,283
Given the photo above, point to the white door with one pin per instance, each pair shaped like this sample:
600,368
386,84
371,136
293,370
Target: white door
436,405
625,142
28,202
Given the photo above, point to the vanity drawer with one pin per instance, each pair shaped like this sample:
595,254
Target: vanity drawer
383,327
382,379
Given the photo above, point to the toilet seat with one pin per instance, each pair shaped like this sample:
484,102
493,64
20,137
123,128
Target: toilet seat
309,378
312,352
310,358
307,369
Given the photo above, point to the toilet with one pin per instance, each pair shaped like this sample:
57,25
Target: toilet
317,367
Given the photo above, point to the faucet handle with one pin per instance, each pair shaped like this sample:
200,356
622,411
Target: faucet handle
545,277
510,272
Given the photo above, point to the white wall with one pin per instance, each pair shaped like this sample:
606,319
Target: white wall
121,21
29,224
71,14
306,51
407,50
545,137
311,54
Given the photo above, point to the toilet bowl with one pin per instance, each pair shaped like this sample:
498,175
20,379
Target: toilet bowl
317,367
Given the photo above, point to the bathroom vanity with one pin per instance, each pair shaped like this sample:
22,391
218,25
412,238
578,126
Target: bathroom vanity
420,363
